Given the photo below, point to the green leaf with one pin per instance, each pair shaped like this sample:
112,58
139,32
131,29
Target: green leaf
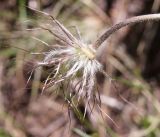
80,133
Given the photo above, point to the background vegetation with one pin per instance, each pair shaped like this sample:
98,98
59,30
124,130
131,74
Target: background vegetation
131,58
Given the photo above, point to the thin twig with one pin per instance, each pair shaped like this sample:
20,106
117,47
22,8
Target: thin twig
130,21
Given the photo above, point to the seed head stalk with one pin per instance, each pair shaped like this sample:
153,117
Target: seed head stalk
130,21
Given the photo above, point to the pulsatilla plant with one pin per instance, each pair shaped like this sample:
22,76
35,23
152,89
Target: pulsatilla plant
76,62
73,62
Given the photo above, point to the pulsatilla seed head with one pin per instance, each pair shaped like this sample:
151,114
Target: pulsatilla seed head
72,61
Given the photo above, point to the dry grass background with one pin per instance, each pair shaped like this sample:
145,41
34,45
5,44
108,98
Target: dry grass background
131,58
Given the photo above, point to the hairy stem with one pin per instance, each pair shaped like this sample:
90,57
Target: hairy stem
130,21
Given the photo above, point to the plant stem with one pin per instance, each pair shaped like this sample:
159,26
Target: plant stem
130,21
22,10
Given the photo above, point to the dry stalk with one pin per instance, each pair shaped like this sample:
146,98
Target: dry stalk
118,26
